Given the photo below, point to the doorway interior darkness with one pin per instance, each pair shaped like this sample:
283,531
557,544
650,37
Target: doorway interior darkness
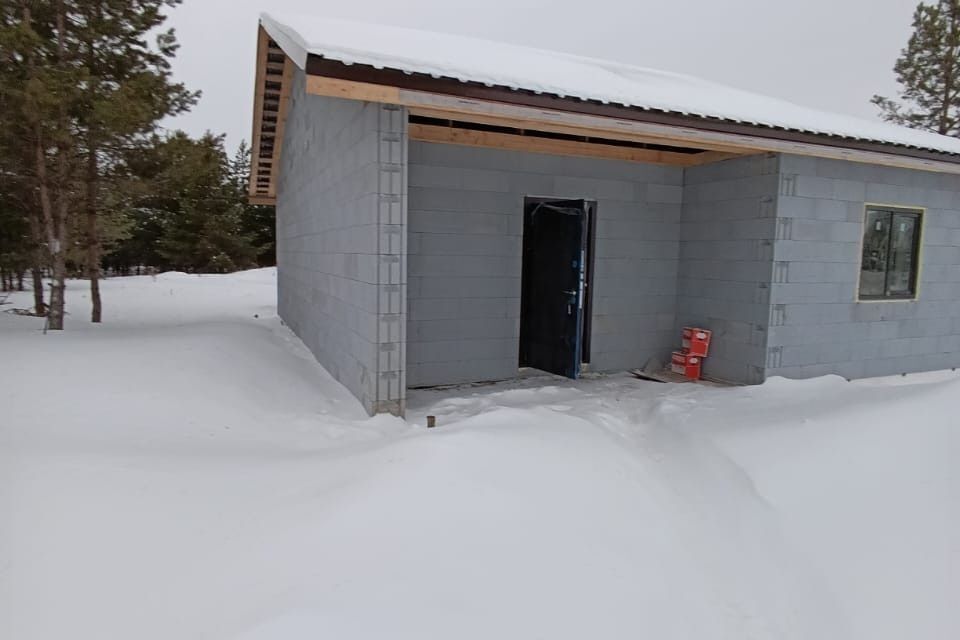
556,296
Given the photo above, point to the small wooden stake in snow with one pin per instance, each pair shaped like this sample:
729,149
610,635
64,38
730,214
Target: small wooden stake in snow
431,422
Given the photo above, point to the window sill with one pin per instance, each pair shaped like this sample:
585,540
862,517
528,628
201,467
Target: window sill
871,300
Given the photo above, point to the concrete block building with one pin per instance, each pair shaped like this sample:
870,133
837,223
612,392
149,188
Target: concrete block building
450,210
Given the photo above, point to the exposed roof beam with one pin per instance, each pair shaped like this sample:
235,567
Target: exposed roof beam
514,142
332,78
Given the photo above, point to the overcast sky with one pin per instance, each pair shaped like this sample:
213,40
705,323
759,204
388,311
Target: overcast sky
830,54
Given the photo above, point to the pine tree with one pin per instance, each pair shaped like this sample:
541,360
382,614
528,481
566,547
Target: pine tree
40,81
79,83
191,213
17,179
928,71
21,245
256,221
128,90
14,242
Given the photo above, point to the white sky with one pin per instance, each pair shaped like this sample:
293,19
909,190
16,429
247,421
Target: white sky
830,54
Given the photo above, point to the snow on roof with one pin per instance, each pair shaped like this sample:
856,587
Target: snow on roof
500,64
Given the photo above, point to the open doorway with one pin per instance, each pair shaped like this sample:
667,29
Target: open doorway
556,296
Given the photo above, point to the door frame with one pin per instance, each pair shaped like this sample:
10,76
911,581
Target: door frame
586,325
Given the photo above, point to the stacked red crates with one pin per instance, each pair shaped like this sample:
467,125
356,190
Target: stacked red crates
689,360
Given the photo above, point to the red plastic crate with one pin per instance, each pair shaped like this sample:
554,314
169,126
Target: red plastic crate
686,364
696,341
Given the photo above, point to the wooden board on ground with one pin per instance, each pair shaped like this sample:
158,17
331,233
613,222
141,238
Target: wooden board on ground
669,376
660,376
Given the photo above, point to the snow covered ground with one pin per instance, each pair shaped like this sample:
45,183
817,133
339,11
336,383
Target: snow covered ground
186,470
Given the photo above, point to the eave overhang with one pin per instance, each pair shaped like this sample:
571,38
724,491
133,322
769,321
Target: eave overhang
271,100
426,91
458,101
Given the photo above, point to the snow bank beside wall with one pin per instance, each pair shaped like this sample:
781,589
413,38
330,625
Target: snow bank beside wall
341,210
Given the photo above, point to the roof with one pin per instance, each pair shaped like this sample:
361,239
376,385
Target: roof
496,64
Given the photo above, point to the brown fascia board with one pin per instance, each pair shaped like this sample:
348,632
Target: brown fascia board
319,66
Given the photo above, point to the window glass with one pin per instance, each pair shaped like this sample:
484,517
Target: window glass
902,261
891,244
876,244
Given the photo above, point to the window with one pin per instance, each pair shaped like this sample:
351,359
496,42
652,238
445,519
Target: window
891,254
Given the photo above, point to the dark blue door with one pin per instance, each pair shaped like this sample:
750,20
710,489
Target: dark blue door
552,300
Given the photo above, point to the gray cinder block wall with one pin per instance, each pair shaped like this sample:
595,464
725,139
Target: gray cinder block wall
726,250
764,250
817,324
465,241
341,215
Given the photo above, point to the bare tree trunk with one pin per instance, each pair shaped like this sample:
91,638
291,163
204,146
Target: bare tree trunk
58,288
47,228
93,184
20,280
36,271
39,306
55,220
55,311
93,236
944,125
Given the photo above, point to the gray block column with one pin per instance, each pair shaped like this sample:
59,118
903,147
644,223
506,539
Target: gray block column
389,393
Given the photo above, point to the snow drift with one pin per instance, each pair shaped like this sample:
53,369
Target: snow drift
187,470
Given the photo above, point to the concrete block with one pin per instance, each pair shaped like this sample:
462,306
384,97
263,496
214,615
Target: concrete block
808,292
796,207
850,190
456,222
830,210
486,180
807,165
889,194
437,177
812,251
671,194
462,350
441,373
425,265
810,186
452,244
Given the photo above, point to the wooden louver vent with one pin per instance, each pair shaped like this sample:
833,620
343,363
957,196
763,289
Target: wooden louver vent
272,95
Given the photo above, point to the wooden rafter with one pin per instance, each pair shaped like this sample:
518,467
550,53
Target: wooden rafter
512,114
436,106
271,100
554,127
515,142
